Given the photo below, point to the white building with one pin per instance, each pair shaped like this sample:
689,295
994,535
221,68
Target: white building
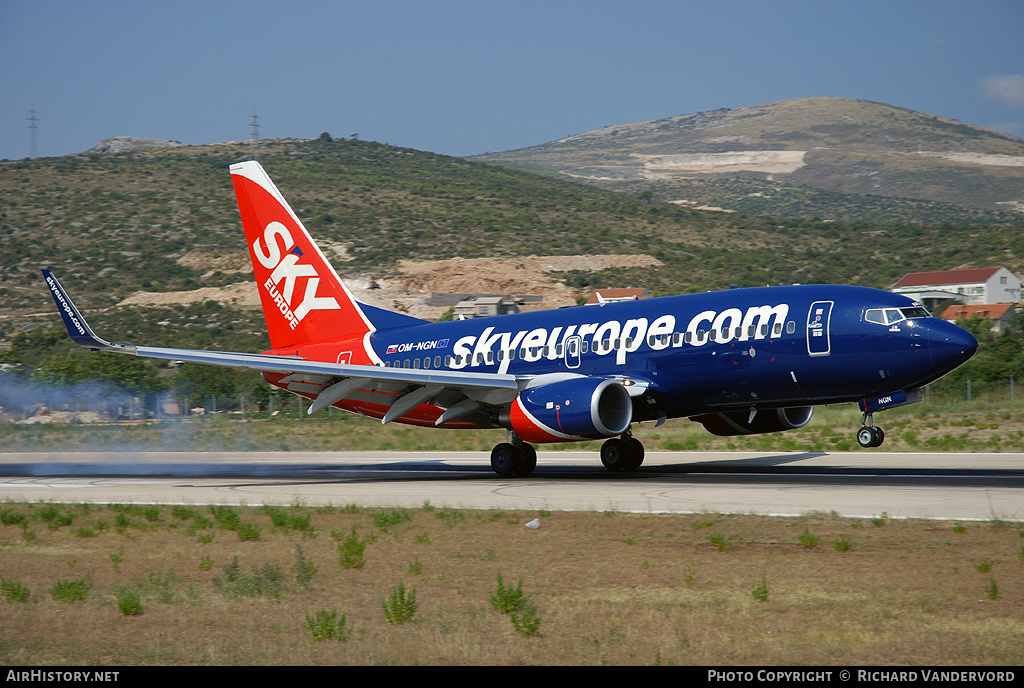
971,287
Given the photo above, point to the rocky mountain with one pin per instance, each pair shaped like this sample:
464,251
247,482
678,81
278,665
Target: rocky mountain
823,150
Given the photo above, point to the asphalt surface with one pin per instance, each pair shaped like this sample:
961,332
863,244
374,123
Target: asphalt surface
863,484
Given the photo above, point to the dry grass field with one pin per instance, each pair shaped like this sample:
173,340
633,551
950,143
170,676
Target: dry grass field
193,585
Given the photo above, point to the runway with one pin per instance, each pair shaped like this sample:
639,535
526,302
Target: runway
855,484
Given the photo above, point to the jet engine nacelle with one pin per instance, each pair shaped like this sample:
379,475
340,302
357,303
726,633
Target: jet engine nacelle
577,408
731,423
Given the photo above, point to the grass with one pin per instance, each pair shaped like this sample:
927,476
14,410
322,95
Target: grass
908,593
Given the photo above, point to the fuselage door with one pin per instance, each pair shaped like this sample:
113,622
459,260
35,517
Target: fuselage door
818,317
572,352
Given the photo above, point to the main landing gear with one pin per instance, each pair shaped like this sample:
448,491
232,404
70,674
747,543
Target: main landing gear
622,454
518,459
515,459
869,435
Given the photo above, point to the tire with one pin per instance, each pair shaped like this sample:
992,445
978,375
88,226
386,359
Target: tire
879,437
866,437
614,454
634,454
505,460
528,460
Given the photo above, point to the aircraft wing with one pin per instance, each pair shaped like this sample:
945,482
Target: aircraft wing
459,393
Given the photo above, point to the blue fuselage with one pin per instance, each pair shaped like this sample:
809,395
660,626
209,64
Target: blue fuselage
765,347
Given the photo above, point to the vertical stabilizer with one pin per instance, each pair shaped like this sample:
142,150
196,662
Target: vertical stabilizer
304,300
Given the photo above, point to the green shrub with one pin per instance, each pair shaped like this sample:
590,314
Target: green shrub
841,545
808,540
71,590
248,531
13,591
265,581
304,568
760,592
399,606
129,602
325,625
507,599
992,590
352,551
526,622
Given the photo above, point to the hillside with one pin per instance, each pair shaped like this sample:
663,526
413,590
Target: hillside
164,222
831,158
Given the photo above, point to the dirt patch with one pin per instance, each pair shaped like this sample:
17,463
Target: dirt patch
770,162
414,280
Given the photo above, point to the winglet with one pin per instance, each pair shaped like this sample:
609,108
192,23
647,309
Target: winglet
78,328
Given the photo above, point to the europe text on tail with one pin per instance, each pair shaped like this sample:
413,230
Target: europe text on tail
739,361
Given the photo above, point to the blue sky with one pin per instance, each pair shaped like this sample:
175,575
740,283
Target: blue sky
461,78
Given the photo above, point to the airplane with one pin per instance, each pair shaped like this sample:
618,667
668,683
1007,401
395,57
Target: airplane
738,361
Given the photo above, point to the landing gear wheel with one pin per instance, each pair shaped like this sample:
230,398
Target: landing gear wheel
869,436
634,454
614,455
527,461
505,460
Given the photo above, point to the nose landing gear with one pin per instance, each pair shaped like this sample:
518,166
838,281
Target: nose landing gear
869,435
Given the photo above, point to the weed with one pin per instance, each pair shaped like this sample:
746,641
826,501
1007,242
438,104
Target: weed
265,581
760,592
286,522
416,567
84,532
526,622
959,528
385,520
206,563
992,590
121,522
9,517
399,606
879,521
721,542
985,565
128,602
841,545
688,576
808,540
325,625
304,568
450,516
71,590
182,513
226,517
13,591
704,523
423,538
352,551
507,599
116,558
248,531
629,539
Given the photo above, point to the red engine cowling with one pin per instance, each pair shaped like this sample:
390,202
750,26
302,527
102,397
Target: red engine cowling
568,410
731,423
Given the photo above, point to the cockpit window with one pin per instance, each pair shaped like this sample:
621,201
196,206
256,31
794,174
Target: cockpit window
915,312
889,316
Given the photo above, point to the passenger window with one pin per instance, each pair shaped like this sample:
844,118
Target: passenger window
791,327
751,330
688,337
778,328
764,330
651,341
416,363
448,361
426,362
437,361
676,337
585,347
558,350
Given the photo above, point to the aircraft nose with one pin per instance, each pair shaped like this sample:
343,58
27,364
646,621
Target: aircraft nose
951,346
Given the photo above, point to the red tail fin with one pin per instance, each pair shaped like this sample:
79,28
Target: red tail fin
304,300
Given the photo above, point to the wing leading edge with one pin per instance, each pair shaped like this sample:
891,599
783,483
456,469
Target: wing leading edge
458,393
